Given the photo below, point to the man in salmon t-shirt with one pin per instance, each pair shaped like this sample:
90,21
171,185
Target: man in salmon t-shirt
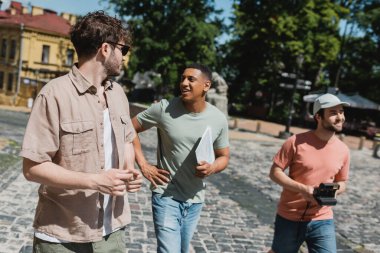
313,157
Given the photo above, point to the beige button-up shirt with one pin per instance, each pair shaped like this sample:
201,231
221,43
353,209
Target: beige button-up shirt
66,127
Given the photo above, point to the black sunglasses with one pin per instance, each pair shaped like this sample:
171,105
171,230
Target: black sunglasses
124,48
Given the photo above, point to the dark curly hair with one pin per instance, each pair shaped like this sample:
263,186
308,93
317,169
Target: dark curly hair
95,28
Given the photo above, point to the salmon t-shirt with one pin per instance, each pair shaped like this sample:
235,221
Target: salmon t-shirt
311,161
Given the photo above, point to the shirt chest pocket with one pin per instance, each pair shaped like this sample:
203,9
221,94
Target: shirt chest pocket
78,137
127,129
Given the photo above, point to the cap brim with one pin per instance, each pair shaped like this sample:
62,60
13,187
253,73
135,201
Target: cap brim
329,105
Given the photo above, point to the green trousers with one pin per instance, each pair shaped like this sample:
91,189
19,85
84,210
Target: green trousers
112,243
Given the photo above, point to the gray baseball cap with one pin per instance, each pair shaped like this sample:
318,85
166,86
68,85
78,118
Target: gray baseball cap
326,101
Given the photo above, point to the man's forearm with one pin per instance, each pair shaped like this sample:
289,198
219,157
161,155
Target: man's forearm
129,157
278,176
222,159
342,187
51,174
139,155
111,181
220,164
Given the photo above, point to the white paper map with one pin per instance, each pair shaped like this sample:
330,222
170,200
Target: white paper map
205,149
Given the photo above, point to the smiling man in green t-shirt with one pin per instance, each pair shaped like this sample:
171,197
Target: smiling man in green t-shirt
177,180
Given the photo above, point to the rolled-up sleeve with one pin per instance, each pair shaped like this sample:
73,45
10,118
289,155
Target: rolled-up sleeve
129,131
41,139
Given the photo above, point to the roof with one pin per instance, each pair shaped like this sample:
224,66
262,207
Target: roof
17,6
355,101
48,22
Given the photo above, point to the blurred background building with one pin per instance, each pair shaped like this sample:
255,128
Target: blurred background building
34,48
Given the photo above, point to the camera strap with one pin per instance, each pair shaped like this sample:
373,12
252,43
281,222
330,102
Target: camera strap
301,219
304,212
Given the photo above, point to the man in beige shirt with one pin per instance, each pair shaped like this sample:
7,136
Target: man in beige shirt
77,145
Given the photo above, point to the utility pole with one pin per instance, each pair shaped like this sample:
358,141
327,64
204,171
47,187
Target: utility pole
291,108
19,64
295,84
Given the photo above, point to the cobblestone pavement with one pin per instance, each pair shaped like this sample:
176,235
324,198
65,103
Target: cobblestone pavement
238,214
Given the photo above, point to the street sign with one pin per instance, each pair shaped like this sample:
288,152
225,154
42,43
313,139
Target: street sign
288,80
303,82
288,75
298,86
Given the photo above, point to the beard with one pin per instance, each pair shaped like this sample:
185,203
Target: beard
111,66
331,127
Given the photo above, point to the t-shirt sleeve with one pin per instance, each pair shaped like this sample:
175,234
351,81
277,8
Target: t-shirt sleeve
151,116
343,172
221,140
285,155
41,139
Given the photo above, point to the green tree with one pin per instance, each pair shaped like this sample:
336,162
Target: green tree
349,29
268,36
168,34
360,62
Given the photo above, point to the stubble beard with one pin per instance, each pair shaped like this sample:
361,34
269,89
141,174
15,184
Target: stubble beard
112,67
332,128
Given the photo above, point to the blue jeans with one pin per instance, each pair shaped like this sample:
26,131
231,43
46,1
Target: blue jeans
289,235
174,223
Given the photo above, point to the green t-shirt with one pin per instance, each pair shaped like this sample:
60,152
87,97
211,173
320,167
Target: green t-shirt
179,132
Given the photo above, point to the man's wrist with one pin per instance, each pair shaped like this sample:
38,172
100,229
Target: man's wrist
92,182
307,189
142,165
140,162
213,168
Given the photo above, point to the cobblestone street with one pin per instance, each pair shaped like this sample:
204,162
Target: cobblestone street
240,203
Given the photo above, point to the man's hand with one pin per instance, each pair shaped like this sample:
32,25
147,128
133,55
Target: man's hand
204,169
135,182
112,181
155,175
307,193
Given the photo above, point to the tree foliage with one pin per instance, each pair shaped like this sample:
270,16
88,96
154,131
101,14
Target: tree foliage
168,34
360,68
269,36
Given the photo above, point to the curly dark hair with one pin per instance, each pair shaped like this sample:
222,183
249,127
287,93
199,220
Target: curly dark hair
95,28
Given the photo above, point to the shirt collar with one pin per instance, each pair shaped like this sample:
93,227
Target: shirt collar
82,84
108,84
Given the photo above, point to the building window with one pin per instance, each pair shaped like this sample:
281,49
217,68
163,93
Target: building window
12,54
4,48
10,82
69,57
45,54
1,80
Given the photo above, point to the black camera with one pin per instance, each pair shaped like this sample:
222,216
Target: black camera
325,194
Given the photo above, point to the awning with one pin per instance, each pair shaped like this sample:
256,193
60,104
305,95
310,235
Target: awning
355,101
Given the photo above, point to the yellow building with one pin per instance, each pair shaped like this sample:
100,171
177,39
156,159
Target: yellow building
41,38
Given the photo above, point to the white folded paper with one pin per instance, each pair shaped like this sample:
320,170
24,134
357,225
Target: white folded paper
205,149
